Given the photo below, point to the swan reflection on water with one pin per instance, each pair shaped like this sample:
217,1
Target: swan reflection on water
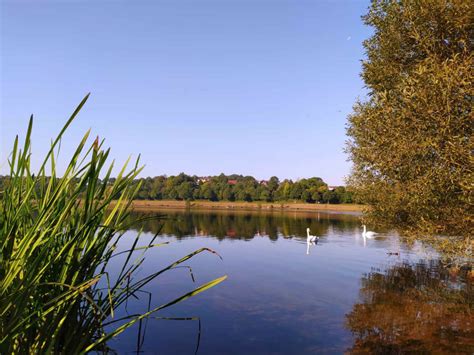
308,246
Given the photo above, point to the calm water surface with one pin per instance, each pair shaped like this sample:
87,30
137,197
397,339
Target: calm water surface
345,294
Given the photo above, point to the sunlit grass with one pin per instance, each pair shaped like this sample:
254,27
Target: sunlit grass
57,236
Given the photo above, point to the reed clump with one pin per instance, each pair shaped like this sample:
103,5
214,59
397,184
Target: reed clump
57,236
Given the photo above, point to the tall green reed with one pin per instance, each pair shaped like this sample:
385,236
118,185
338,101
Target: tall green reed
57,237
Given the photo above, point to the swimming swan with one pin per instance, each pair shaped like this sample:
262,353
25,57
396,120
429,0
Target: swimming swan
311,238
368,234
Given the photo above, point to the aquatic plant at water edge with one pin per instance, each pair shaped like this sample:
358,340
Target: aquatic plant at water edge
57,236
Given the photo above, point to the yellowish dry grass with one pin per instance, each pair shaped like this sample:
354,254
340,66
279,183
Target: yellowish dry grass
150,205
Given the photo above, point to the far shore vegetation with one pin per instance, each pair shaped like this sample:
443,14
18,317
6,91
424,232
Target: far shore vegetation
241,188
235,187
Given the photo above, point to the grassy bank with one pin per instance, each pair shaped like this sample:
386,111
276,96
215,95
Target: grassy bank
151,205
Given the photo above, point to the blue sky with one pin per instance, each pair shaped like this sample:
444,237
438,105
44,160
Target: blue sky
256,87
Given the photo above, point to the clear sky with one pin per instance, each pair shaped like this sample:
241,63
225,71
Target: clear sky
255,87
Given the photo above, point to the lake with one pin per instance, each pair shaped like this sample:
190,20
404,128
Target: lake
285,297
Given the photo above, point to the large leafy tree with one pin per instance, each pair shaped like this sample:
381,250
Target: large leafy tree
411,139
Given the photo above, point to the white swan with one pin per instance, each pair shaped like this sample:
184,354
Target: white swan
311,238
368,234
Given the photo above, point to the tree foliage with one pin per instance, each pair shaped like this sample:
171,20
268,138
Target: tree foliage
411,138
237,188
231,188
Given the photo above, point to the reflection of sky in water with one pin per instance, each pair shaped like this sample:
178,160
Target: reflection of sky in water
277,299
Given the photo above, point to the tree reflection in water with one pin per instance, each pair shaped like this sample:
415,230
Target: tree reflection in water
244,225
419,308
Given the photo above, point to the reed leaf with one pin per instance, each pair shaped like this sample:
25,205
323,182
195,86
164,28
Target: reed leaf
57,236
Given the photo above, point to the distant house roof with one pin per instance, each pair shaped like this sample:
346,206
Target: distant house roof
232,182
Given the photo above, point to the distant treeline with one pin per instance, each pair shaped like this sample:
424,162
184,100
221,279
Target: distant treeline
234,188
240,188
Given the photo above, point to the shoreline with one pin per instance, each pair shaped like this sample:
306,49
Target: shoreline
150,205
